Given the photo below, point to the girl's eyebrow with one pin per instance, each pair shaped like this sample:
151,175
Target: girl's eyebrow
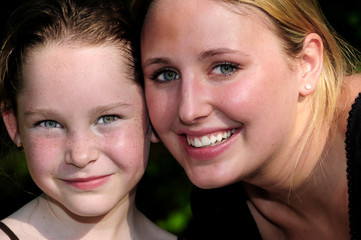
98,109
111,106
40,111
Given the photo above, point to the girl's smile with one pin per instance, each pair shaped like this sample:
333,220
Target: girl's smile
88,183
76,112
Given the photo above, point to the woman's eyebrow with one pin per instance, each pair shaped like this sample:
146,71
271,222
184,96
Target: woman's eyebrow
156,60
219,51
204,54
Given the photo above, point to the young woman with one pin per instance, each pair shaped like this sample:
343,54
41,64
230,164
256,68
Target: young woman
70,100
252,100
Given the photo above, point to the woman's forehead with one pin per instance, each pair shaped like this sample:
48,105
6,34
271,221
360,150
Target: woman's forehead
158,8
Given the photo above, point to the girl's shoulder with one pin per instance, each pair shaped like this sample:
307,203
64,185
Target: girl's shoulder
6,232
18,223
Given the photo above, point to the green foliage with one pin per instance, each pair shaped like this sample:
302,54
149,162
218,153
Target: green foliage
164,192
16,185
345,18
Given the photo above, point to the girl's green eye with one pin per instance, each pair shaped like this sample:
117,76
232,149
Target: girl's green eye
107,119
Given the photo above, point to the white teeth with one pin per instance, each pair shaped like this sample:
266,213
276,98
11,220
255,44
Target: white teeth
209,140
219,137
213,139
197,143
205,140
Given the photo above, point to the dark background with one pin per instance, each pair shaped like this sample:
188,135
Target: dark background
163,193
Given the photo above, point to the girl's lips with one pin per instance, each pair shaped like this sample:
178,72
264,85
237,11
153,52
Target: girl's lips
207,150
88,183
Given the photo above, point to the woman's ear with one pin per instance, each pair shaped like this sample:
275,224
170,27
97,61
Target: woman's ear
11,124
311,64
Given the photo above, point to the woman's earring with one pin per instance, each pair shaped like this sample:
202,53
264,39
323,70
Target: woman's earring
21,148
308,86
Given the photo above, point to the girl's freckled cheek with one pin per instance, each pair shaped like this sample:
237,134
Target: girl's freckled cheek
43,146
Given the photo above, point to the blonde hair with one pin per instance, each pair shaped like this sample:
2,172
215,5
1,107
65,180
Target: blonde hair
293,20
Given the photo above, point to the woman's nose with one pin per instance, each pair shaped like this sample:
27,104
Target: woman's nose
82,149
194,100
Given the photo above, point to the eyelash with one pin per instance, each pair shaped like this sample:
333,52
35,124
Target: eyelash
114,118
234,68
155,76
43,123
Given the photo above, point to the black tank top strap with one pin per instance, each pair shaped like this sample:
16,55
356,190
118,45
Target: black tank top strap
8,231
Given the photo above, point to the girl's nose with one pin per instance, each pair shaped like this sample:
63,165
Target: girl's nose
81,150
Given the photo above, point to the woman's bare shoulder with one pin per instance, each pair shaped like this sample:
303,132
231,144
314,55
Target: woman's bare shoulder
354,84
352,88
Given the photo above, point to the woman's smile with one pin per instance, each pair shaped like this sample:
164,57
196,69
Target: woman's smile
210,146
208,140
211,99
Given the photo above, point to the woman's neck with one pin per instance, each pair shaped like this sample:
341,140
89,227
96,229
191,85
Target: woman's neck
315,209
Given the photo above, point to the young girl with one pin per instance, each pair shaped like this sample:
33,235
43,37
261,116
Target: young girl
251,98
70,100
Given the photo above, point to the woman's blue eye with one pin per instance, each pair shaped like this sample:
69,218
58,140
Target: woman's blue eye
166,76
107,119
50,124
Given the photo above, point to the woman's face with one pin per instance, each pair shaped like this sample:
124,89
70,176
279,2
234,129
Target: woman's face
84,127
222,94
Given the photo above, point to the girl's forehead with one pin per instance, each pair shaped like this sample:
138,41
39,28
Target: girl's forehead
65,62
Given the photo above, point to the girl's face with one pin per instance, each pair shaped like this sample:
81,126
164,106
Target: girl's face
84,127
222,94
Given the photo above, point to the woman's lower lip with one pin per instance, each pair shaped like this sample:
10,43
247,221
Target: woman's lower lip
208,153
89,183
